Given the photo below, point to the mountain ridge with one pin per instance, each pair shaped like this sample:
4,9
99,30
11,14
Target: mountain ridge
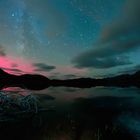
38,82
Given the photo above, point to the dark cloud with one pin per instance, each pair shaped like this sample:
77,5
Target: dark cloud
58,75
85,61
116,41
130,70
12,70
70,76
14,65
16,70
2,51
43,67
127,23
127,70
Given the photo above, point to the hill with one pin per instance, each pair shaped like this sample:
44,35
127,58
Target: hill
38,82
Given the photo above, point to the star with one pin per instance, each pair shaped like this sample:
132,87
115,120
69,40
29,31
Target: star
13,14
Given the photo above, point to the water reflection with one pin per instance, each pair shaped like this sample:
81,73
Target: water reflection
79,114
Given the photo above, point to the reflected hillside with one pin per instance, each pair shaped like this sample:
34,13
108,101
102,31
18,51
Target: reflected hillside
79,118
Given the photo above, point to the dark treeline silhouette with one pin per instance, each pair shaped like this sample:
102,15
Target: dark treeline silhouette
38,82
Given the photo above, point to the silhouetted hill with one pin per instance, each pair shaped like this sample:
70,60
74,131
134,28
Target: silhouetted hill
38,82
3,73
124,80
29,81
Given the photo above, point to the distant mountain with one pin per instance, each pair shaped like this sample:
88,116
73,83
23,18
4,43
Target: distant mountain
29,81
38,82
124,80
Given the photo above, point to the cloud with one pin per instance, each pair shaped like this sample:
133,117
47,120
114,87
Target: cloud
85,61
12,70
116,41
14,65
130,70
70,76
2,51
127,70
126,24
43,67
62,76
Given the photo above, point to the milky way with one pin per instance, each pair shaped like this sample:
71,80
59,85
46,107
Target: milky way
69,37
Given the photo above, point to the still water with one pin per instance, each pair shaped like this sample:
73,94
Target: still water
79,114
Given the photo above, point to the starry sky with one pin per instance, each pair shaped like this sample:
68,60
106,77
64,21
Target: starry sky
70,38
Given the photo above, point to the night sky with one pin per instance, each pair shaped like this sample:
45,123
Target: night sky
70,38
